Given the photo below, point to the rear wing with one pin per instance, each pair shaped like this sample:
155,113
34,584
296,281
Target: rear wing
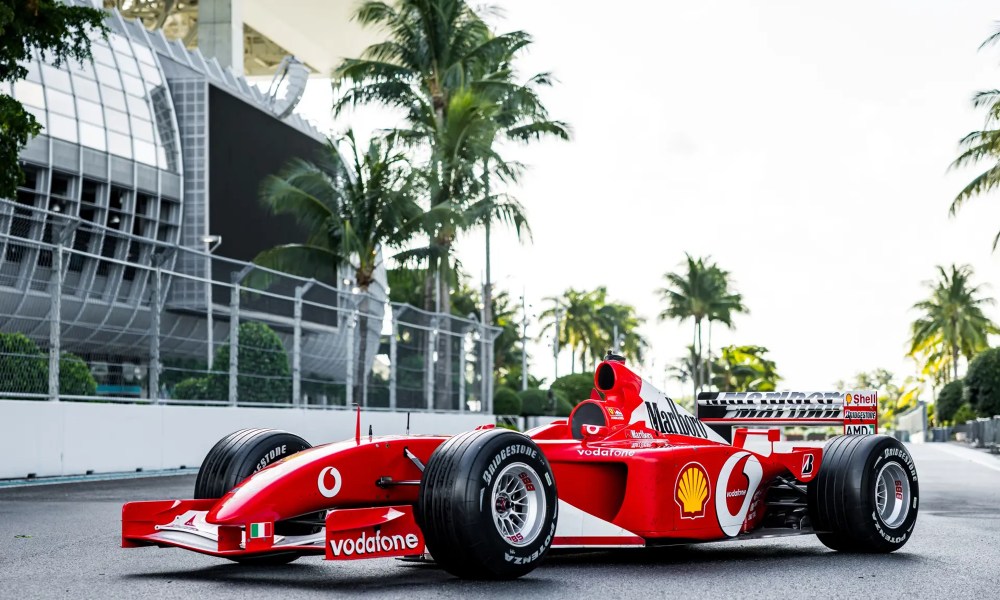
856,411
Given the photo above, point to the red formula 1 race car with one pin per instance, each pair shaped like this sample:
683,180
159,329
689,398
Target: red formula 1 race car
628,468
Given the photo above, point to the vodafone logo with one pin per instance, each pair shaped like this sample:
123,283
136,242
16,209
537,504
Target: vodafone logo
738,480
326,474
373,544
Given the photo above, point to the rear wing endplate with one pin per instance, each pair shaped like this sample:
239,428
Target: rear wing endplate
856,411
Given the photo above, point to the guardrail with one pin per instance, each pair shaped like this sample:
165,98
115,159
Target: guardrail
154,323
981,433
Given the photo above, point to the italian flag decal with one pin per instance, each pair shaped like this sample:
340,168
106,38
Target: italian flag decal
261,530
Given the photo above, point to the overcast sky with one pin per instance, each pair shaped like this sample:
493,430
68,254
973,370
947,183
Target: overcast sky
803,145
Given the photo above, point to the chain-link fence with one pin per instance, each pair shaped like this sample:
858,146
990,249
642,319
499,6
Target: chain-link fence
87,313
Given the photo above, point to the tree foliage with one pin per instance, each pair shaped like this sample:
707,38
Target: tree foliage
575,387
264,374
981,146
536,402
60,32
982,383
351,209
454,80
75,378
506,402
587,321
964,414
949,400
24,369
952,322
702,291
744,368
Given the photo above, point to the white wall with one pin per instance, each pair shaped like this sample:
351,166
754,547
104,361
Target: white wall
70,438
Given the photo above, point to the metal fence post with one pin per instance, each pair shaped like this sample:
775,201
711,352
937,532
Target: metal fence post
234,333
461,372
483,366
154,333
431,362
392,358
55,319
488,374
351,327
155,305
297,344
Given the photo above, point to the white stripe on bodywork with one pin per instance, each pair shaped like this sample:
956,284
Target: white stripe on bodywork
574,522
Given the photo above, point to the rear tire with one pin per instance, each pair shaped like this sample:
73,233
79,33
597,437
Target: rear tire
487,505
238,456
865,496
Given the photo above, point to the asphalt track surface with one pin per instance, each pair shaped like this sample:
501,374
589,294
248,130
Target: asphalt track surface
61,541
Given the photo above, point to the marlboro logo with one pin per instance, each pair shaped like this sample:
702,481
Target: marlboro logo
671,421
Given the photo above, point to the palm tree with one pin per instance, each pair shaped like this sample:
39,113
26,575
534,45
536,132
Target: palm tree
578,325
351,209
981,145
953,319
702,292
453,78
745,368
623,318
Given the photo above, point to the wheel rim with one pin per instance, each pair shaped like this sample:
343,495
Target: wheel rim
518,504
892,495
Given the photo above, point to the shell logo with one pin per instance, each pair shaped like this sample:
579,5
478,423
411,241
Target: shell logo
692,491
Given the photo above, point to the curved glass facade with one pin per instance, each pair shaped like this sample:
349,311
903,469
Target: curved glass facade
117,103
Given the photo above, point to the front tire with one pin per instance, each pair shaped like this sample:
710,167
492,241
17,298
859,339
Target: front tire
488,505
865,496
238,456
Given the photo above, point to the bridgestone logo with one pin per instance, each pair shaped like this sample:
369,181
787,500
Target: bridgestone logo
503,454
671,421
374,544
905,456
270,456
859,414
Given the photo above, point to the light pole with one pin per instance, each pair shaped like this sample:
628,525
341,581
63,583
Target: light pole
211,244
524,342
555,345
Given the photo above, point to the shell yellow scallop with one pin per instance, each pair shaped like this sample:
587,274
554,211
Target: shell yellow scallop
692,491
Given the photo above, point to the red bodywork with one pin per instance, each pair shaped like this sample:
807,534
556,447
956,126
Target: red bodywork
650,474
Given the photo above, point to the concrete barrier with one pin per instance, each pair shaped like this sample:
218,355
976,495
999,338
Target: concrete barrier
71,438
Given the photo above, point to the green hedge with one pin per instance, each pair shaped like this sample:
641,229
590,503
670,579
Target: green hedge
24,369
506,402
576,388
982,383
192,388
264,374
535,402
964,414
563,407
949,400
74,377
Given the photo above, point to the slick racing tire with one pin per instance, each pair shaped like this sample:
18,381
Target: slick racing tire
487,505
240,455
865,497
